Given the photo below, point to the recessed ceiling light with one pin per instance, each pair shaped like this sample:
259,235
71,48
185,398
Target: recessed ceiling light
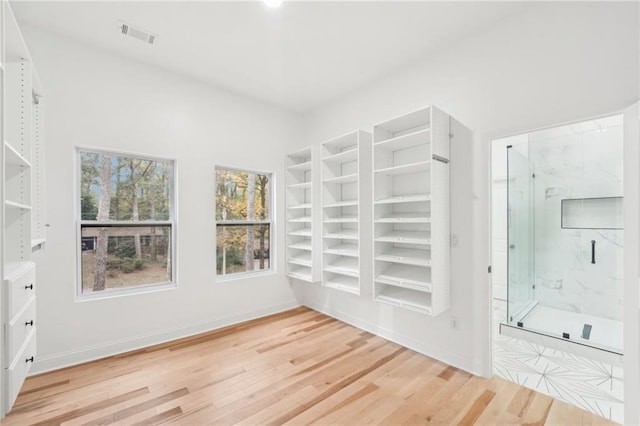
273,3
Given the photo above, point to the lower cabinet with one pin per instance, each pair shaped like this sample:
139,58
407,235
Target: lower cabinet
19,329
20,366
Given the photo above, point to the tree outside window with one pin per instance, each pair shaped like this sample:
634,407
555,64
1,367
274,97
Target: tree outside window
126,222
243,221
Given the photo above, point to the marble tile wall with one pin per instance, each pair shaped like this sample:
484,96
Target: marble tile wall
577,161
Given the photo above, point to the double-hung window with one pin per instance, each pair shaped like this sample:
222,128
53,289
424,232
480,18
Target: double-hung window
126,223
243,221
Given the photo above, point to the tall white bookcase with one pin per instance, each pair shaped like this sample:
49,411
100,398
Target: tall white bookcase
301,212
411,211
22,213
345,169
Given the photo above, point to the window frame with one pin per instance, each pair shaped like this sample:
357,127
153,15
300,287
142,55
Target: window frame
81,223
270,221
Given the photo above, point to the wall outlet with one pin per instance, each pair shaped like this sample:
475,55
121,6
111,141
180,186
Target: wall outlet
454,323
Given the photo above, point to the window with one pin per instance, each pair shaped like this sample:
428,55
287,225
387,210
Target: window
126,223
243,221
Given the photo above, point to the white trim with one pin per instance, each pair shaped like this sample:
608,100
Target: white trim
78,296
94,150
551,126
52,362
125,223
270,220
115,293
246,275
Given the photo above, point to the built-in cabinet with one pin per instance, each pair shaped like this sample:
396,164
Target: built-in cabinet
23,221
411,211
384,212
300,216
345,169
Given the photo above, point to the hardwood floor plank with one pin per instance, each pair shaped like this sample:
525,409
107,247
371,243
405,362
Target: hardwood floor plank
478,407
160,417
143,406
335,388
93,407
294,367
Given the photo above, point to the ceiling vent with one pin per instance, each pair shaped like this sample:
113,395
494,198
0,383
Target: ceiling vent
137,33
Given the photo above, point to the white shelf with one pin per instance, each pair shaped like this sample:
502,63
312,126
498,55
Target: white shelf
300,233
342,157
342,179
16,205
299,273
406,237
344,283
301,246
13,157
405,298
411,211
14,270
342,235
304,219
301,215
344,266
415,275
348,203
301,260
305,167
417,198
342,219
350,250
405,123
300,206
393,281
409,140
301,185
420,166
405,218
346,160
301,156
22,231
406,256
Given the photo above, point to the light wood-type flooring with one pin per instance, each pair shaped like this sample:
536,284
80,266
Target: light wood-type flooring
296,367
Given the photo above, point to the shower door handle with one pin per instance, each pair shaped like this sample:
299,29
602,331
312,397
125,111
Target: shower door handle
593,251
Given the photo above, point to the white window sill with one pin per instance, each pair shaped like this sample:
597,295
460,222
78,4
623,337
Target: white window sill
244,275
111,294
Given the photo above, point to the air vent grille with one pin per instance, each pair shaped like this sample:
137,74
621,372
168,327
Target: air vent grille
138,33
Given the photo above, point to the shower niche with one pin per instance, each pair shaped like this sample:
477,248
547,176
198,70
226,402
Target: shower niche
565,233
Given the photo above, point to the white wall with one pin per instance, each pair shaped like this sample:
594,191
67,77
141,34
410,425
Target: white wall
101,100
556,62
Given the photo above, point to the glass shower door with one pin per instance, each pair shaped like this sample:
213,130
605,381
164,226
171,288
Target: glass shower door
520,236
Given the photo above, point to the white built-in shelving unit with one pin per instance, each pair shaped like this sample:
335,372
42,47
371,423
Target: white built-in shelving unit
345,169
411,211
22,212
300,216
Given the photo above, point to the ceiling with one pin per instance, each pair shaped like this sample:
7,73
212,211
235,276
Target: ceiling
298,57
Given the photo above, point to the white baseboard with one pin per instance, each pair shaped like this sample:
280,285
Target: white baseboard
463,363
78,356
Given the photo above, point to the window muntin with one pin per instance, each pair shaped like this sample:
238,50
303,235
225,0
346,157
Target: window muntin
243,221
126,228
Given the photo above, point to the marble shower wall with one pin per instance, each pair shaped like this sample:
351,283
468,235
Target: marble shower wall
582,160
